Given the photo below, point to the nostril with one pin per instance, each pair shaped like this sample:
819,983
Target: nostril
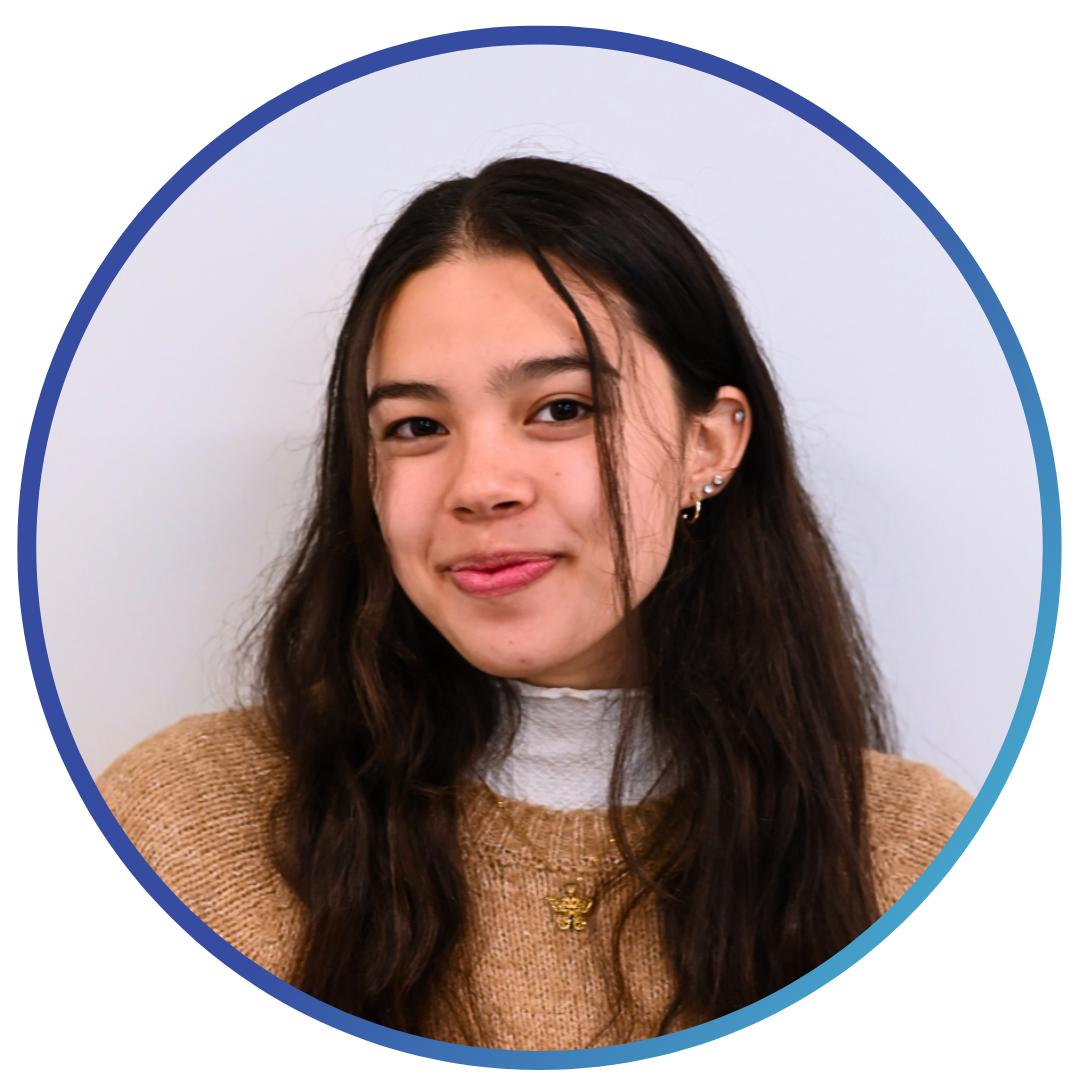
492,508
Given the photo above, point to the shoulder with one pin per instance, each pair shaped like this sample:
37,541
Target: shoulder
192,772
912,810
195,800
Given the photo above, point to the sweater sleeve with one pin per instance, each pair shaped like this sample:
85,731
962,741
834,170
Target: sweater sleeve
195,800
912,810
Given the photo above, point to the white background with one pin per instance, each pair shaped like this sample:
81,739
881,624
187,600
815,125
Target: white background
975,106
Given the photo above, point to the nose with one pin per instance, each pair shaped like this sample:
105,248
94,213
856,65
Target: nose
489,479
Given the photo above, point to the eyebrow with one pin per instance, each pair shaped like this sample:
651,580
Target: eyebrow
391,391
509,377
506,377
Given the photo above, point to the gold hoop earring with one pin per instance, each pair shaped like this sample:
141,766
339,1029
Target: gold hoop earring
696,513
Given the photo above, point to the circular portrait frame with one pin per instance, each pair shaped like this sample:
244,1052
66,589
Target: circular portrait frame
595,39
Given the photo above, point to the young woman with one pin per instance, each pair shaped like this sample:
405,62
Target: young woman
567,733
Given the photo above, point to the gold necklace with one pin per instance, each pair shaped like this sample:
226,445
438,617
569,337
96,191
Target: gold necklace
571,909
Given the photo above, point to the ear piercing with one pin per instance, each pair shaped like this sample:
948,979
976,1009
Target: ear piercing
740,416
692,513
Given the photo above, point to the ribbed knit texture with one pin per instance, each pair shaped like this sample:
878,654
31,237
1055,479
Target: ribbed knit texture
564,747
195,798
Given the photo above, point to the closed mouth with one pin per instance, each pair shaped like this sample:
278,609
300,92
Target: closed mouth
500,574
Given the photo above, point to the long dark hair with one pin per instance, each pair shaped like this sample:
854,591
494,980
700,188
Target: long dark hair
760,679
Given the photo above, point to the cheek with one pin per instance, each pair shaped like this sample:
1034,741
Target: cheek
653,505
407,514
654,524
575,491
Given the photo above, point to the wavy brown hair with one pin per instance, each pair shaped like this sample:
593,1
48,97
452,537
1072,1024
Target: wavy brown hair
761,682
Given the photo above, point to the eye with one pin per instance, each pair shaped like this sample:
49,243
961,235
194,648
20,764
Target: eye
415,427
562,411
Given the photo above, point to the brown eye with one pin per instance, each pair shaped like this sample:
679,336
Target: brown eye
560,412
416,427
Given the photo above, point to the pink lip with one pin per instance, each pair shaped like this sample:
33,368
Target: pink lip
499,575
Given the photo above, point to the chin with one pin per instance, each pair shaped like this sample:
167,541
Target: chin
514,663
507,667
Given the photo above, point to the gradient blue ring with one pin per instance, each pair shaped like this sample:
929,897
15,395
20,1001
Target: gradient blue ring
582,38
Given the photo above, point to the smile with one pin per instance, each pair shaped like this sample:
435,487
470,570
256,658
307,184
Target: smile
499,575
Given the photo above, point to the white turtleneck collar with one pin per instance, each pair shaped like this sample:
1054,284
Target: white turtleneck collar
564,750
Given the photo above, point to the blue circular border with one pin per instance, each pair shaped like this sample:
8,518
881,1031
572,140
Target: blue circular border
586,38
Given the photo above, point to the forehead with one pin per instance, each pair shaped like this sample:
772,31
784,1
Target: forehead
471,312
474,312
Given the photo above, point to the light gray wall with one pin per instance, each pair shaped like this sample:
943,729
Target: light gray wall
178,455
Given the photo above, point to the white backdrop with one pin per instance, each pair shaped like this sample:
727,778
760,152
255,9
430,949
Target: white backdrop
106,101
177,458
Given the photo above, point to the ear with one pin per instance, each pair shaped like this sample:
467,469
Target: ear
716,443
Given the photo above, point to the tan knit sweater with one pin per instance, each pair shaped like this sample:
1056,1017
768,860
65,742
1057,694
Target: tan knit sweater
194,800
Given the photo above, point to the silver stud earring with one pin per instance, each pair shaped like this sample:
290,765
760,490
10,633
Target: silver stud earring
718,481
708,489
740,416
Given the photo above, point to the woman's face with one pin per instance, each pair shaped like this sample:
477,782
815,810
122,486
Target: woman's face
487,482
